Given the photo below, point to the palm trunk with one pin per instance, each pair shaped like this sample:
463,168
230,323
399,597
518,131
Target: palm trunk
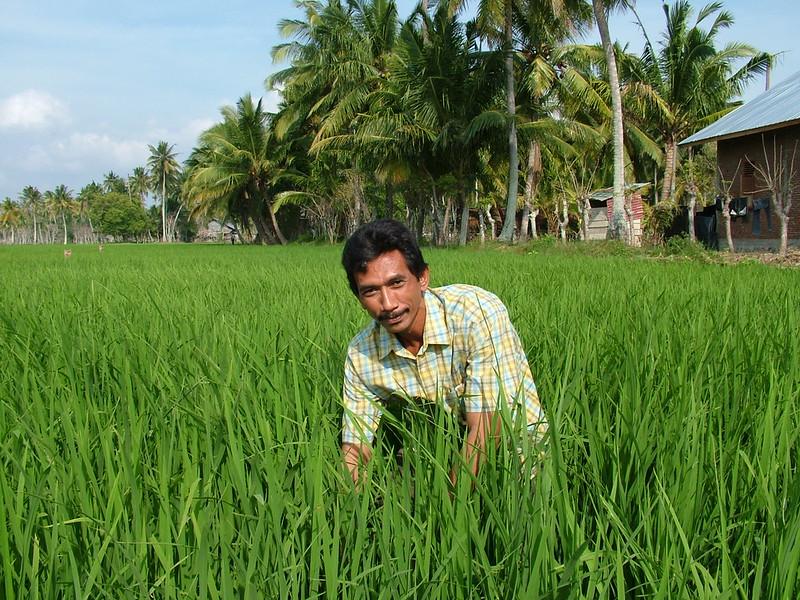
163,209
510,220
64,220
531,181
692,192
275,225
670,164
462,232
263,234
617,225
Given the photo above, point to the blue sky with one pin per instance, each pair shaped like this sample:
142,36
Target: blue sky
87,85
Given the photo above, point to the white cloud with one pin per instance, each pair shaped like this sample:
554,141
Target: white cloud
31,109
86,152
272,99
195,127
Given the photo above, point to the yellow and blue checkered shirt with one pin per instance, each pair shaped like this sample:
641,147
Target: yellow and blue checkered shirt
471,359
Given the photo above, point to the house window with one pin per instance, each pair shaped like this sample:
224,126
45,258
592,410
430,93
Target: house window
748,178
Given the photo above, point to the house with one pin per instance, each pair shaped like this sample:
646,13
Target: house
602,207
748,140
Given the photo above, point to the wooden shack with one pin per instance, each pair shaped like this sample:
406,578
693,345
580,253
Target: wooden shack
602,208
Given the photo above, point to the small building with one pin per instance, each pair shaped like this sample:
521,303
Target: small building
602,208
748,140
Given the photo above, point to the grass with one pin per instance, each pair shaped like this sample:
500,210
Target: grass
169,424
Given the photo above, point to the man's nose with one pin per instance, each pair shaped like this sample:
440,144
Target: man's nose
387,301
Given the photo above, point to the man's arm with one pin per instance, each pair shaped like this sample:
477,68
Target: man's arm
481,427
355,456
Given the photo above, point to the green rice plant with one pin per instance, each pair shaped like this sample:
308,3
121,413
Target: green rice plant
169,427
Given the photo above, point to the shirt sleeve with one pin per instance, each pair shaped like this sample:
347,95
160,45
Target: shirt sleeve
362,411
496,363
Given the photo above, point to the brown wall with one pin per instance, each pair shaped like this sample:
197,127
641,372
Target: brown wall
736,152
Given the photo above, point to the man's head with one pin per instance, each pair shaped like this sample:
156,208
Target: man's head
379,237
388,275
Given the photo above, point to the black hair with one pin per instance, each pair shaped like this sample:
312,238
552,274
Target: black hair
378,237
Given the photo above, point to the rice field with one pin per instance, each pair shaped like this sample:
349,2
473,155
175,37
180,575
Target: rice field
169,428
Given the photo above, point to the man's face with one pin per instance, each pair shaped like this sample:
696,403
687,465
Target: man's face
392,294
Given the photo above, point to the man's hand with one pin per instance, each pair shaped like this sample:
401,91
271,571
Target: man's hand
480,428
355,456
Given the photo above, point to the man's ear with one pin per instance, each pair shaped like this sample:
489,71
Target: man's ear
424,279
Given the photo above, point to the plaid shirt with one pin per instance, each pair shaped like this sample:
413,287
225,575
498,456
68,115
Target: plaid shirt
471,359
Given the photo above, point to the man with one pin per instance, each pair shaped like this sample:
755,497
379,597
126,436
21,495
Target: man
454,344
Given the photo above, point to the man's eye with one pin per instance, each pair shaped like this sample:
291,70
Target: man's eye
368,293
397,283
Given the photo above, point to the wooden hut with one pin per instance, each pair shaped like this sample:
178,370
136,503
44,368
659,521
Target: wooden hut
602,209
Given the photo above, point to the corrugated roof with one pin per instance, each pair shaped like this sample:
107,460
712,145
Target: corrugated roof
777,106
606,194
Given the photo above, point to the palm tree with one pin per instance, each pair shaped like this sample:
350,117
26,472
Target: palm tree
451,87
139,184
163,168
32,200
496,20
600,8
237,169
10,216
341,54
113,183
543,29
686,83
86,197
61,204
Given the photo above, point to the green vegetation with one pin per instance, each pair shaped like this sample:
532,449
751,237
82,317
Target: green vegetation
169,425
437,116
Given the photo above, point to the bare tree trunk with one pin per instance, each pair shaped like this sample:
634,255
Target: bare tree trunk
726,218
564,220
692,192
532,175
491,221
533,215
617,226
585,213
510,220
445,231
64,220
779,176
481,227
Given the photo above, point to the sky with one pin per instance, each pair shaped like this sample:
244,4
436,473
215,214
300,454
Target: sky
86,86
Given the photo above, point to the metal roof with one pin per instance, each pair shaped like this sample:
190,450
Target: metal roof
605,194
779,106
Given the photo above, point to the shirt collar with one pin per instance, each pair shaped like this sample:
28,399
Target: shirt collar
435,331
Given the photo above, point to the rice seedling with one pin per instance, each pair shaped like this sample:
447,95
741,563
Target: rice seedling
169,427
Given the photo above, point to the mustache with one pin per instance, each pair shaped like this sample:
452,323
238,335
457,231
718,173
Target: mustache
386,316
